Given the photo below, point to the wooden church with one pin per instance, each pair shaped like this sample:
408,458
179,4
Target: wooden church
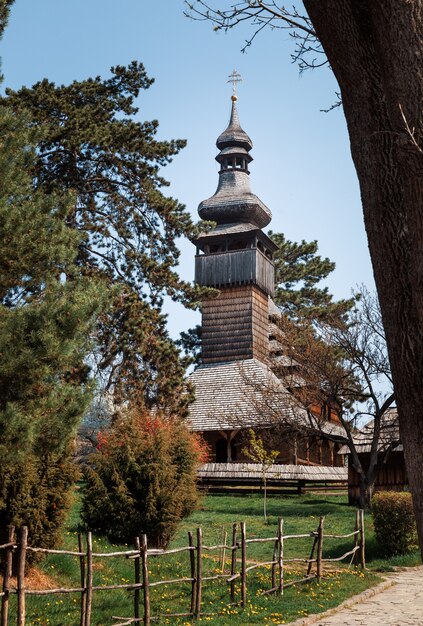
235,387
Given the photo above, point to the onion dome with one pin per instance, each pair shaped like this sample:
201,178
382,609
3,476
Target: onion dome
233,201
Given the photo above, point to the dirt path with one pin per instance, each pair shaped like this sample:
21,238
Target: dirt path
398,603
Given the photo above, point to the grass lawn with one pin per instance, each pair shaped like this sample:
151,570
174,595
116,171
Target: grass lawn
216,514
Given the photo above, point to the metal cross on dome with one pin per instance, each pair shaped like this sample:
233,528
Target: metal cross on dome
234,78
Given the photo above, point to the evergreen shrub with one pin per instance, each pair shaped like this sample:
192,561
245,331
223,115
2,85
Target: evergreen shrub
142,478
394,522
47,313
37,493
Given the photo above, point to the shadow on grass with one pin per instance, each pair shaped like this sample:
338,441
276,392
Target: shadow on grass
277,505
377,559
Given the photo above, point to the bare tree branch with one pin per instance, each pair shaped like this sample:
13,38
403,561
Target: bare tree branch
262,14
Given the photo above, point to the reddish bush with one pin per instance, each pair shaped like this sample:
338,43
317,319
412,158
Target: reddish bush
142,478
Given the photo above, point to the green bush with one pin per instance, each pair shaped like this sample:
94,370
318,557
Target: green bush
394,522
38,493
141,479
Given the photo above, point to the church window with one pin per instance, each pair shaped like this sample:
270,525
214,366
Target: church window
216,247
239,244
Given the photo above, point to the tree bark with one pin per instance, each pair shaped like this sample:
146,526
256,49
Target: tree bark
366,494
375,48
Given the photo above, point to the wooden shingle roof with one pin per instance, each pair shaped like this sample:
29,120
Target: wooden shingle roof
274,472
244,394
274,311
389,435
232,395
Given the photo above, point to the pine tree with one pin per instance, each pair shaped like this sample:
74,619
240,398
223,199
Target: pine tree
298,270
4,13
46,315
95,147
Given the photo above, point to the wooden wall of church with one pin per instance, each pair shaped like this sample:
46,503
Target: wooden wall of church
235,325
308,451
236,267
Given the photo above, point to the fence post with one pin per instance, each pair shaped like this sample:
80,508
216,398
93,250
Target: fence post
233,560
225,539
356,537
243,564
192,566
280,556
319,563
82,579
137,578
145,580
7,573
198,589
23,541
310,560
274,559
89,580
362,541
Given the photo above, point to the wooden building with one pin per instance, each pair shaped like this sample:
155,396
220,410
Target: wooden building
235,386
392,475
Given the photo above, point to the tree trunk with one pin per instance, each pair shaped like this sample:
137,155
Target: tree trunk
367,479
375,48
366,494
265,499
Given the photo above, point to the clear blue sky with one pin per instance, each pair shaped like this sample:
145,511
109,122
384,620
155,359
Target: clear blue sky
302,167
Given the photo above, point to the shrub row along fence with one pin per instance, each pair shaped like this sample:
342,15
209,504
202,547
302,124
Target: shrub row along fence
240,567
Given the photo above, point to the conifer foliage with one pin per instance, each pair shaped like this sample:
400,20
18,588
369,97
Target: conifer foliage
95,146
46,316
142,478
4,13
87,232
298,272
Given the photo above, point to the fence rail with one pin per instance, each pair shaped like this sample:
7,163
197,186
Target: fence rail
140,555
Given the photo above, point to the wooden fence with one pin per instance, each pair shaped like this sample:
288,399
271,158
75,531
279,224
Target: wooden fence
240,566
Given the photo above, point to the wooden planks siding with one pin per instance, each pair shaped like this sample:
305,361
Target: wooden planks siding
235,325
392,476
235,267
260,324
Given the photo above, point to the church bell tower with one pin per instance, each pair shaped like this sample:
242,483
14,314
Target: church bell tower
235,257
